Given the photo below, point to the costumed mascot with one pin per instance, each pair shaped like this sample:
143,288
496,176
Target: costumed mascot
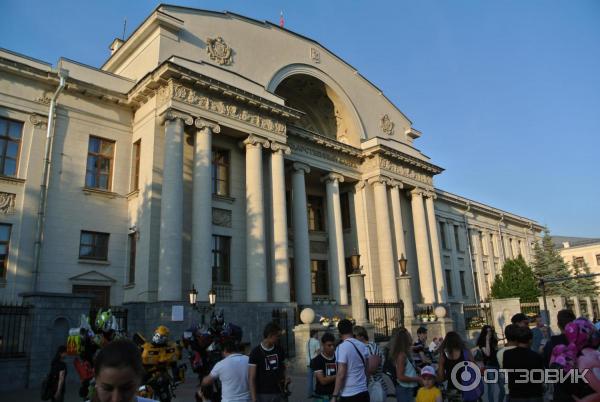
204,346
161,362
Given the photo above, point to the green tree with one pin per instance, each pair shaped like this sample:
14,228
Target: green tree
584,286
548,263
516,280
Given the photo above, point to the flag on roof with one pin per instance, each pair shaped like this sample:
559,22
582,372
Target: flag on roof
281,21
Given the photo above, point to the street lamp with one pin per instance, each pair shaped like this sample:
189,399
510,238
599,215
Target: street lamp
355,262
402,262
212,300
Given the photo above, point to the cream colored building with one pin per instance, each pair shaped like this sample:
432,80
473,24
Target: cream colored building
215,150
577,251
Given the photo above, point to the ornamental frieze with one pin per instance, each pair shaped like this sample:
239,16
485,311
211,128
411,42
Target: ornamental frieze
401,170
319,153
7,203
219,106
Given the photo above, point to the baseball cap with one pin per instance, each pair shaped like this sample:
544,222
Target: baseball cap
428,370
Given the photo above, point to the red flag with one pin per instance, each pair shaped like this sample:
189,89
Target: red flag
281,21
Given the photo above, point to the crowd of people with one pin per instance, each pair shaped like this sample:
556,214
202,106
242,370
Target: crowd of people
353,368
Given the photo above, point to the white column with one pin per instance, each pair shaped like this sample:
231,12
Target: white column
397,214
302,276
202,208
387,265
281,284
171,212
442,294
256,267
337,264
422,245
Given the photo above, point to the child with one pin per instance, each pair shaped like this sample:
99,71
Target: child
428,392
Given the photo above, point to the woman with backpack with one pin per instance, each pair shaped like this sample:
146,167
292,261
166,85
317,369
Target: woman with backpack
453,352
58,373
407,379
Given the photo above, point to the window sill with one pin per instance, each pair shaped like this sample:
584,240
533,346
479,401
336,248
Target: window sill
92,262
223,198
102,193
11,180
133,194
129,286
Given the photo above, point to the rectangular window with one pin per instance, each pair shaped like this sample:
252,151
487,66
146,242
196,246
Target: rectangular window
597,259
220,172
93,246
463,285
221,257
457,238
319,278
132,250
10,143
443,235
491,246
135,165
345,206
476,286
449,281
578,262
315,213
99,167
5,229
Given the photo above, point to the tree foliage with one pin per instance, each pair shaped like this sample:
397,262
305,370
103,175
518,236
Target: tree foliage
548,263
583,287
516,280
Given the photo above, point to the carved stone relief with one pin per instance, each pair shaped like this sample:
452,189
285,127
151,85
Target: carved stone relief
401,170
7,203
219,51
315,55
221,217
219,106
387,126
305,149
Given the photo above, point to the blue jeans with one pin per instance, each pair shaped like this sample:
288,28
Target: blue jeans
404,394
311,385
500,385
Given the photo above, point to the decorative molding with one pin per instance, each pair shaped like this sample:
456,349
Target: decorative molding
380,180
219,51
223,107
405,171
44,99
11,180
202,123
221,217
174,114
387,126
332,177
315,55
297,166
277,146
255,140
7,203
323,154
38,120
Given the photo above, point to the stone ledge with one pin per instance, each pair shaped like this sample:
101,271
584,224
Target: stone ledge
11,180
223,198
52,294
93,262
101,193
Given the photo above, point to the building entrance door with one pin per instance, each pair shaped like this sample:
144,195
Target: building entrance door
101,295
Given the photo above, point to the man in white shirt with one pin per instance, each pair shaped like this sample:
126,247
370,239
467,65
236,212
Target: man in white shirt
232,371
352,357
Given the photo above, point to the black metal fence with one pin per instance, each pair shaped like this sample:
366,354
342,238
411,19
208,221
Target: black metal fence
385,317
477,315
280,316
530,309
15,330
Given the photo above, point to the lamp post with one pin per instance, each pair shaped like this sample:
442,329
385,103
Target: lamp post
212,300
355,263
402,263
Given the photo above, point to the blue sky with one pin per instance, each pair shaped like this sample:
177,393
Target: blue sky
506,93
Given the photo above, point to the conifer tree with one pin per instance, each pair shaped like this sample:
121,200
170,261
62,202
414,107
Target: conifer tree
585,286
516,280
548,263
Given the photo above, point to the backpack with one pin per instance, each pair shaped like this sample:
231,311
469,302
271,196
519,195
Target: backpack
48,387
389,369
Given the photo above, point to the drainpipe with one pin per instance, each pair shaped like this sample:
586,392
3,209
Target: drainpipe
39,227
501,248
475,285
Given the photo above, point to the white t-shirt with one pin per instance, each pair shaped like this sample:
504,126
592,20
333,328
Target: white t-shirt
233,373
356,378
312,348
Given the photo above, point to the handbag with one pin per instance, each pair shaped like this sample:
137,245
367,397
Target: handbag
475,393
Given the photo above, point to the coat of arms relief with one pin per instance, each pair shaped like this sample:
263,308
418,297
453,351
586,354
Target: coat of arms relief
219,51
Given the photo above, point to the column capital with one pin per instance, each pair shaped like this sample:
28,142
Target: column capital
417,192
38,120
202,123
174,114
360,185
279,147
397,184
430,194
255,141
380,180
301,167
332,177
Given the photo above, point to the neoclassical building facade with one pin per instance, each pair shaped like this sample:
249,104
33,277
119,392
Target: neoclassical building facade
222,152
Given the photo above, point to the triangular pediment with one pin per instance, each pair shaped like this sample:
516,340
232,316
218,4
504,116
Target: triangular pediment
93,276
